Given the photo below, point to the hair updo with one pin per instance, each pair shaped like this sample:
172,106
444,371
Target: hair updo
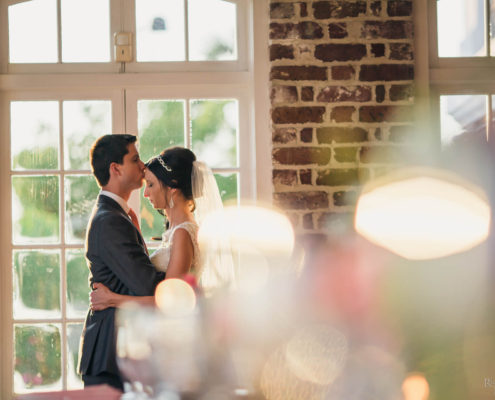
176,169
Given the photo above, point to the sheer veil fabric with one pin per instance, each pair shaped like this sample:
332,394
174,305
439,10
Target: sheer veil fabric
217,266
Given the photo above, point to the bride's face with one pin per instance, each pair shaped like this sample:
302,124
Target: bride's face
154,191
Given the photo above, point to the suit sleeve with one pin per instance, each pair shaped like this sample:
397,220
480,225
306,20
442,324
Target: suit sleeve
120,250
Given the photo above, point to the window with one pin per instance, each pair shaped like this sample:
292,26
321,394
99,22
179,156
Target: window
455,58
60,89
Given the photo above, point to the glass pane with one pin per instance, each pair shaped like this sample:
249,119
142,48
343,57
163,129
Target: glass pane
35,214
33,32
160,125
160,30
80,44
36,284
461,27
77,284
463,120
228,186
37,358
73,335
214,125
81,192
152,223
84,122
212,38
34,132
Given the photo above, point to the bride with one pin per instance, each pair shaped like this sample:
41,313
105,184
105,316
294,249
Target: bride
179,185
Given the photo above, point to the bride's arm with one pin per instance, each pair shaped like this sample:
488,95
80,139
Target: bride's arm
181,255
102,297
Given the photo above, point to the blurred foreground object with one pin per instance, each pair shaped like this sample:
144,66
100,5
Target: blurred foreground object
423,213
98,392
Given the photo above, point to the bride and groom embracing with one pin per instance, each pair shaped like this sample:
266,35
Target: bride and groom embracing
116,253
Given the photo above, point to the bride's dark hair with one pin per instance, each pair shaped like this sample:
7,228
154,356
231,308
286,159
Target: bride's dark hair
173,168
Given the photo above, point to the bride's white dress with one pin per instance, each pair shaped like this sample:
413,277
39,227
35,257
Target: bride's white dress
161,257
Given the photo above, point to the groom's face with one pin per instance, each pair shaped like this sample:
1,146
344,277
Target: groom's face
132,168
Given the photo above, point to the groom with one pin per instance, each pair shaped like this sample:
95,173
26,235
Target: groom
115,252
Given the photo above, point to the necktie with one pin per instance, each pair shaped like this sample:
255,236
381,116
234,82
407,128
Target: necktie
135,221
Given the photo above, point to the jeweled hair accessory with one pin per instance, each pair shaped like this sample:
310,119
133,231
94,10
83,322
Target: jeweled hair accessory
160,159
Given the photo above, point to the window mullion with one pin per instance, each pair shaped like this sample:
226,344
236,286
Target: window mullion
188,122
59,31
186,28
487,28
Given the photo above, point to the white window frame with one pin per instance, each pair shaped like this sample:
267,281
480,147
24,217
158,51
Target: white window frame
436,76
248,83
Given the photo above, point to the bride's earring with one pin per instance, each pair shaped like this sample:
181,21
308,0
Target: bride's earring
171,202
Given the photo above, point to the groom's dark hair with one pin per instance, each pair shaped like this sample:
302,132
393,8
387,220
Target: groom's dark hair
106,150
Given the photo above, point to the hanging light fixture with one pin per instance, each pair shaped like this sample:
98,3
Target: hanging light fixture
421,213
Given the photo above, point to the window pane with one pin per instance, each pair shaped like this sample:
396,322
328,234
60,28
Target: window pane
84,122
33,32
160,30
214,125
463,120
34,131
85,30
77,284
73,335
37,358
35,214
36,284
160,125
228,187
214,37
461,27
81,192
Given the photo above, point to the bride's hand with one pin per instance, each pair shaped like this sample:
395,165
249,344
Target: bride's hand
100,297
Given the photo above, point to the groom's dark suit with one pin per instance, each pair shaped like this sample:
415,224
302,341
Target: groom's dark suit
116,257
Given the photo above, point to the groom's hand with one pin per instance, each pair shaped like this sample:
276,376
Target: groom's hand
100,297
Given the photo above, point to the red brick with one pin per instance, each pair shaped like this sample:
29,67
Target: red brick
378,49
306,135
280,51
297,115
308,221
401,92
283,94
283,31
381,154
284,135
345,154
302,155
386,72
379,93
302,200
286,177
337,31
340,52
303,10
345,198
305,176
401,133
307,93
376,8
333,134
401,51
342,114
338,9
387,30
338,177
299,73
399,8
343,72
385,113
337,223
344,93
309,30
281,10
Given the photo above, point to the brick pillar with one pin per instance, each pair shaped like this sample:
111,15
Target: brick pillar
341,96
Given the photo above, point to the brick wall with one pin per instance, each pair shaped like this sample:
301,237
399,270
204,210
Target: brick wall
341,96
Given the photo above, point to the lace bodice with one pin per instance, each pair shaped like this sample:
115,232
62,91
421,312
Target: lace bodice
161,257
